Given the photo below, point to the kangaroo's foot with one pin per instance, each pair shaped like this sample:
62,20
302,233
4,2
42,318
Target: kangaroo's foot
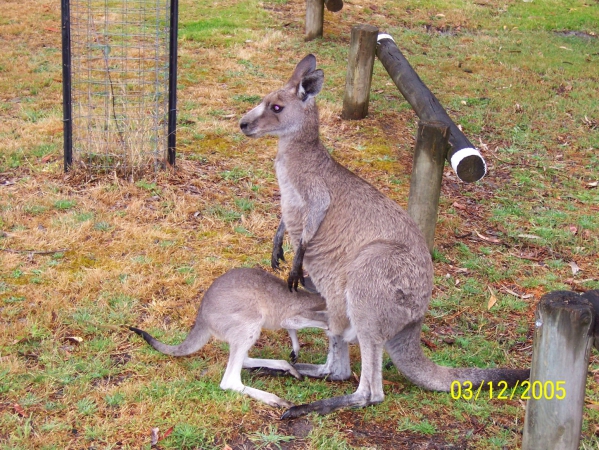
265,397
328,405
232,381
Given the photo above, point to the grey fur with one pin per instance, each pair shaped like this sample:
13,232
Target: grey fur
364,254
234,309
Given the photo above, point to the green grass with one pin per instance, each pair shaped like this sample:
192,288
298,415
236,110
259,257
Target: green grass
420,427
553,16
269,439
229,24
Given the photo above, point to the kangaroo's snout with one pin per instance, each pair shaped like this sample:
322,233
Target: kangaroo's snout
246,127
248,124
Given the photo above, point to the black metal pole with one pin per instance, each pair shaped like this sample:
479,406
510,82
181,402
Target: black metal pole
67,84
172,79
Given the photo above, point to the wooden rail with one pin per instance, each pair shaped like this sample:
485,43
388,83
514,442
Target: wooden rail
465,159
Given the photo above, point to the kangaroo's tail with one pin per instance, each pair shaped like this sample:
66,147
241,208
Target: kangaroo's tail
195,340
406,353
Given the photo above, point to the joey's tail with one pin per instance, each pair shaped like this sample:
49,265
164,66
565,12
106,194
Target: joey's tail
195,340
406,353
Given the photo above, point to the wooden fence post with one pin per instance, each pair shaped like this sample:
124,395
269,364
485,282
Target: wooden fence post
561,347
360,62
314,19
427,172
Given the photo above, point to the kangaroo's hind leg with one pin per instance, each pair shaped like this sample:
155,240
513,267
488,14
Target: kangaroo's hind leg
370,389
232,377
383,293
337,366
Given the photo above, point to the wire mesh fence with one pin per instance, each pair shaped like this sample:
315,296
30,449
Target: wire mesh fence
119,84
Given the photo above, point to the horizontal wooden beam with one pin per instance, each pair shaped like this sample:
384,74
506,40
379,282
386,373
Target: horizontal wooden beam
465,159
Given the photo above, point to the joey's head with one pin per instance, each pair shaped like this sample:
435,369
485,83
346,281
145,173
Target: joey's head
290,110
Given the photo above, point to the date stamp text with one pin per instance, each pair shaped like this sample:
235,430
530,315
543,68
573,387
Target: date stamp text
537,390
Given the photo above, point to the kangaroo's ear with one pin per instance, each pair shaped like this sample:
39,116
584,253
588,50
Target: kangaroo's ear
303,68
310,85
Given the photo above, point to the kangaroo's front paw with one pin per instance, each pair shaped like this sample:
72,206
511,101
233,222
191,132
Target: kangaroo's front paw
295,278
277,255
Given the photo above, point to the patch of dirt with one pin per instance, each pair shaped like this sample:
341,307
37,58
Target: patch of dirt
111,380
385,436
120,359
446,30
580,34
357,432
298,429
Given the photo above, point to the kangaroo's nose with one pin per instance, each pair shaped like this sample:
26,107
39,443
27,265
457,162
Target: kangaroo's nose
243,125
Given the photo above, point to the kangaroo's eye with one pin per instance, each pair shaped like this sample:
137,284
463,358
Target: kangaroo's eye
276,108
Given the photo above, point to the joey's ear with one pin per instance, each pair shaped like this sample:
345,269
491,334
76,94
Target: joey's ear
310,85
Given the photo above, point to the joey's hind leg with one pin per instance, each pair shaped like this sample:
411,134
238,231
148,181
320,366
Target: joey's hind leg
232,377
274,364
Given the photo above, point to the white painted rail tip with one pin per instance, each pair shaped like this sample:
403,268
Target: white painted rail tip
384,36
458,156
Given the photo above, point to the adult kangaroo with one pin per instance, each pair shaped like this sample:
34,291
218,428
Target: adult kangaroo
364,254
235,308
